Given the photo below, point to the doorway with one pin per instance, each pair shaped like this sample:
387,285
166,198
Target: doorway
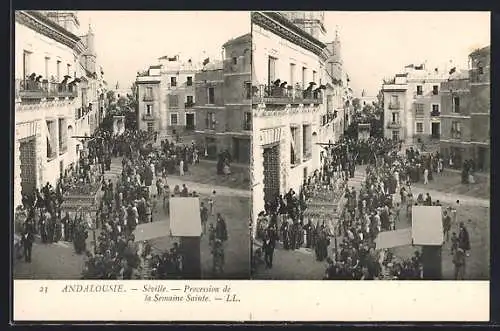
271,172
27,151
190,123
435,130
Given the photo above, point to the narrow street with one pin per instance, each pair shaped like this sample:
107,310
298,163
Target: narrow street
59,260
301,264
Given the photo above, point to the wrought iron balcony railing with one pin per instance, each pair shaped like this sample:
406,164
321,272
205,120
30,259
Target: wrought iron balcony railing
189,105
32,89
395,105
285,95
394,125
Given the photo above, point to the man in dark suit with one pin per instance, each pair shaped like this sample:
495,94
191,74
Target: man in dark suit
27,242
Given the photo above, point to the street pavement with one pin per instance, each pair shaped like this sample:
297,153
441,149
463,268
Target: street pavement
302,265
59,261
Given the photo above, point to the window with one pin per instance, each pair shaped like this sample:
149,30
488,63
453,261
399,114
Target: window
149,110
235,60
420,127
435,110
51,139
480,69
248,90
456,130
173,81
189,99
419,110
456,104
211,95
292,74
395,135
47,59
26,63
173,101
247,121
150,127
63,136
304,74
68,69
395,117
306,141
271,70
210,121
189,81
420,90
174,119
294,146
314,76
394,99
58,70
435,89
149,93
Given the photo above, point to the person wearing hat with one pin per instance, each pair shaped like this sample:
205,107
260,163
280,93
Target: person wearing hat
463,238
459,263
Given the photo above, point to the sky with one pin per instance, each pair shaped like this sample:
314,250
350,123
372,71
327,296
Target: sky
127,42
377,45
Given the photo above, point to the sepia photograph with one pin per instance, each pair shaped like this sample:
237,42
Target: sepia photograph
371,152
132,145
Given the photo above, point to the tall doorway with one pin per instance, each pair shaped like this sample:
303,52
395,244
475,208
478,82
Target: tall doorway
241,150
271,172
190,125
27,151
435,130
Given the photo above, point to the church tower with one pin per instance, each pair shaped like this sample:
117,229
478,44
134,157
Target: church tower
334,62
313,22
90,54
68,19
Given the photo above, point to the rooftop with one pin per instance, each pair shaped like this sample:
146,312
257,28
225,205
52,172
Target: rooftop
239,40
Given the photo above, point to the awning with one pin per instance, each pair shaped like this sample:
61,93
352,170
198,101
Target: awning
149,231
391,239
185,220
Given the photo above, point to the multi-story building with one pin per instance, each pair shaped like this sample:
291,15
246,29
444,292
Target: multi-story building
465,116
412,105
48,53
288,105
223,94
166,97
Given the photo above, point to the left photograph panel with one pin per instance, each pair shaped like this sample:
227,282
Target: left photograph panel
132,145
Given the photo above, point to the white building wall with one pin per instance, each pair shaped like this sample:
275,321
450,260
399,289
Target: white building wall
273,126
267,44
30,119
41,47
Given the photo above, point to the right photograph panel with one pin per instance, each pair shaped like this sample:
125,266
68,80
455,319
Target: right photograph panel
371,145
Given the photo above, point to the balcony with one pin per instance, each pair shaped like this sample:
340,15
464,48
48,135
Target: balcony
36,90
190,127
394,125
419,114
247,126
395,105
148,98
189,105
435,113
455,134
148,117
285,95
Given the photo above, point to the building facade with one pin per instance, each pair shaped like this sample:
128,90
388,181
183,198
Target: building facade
412,105
465,117
223,94
166,97
48,99
287,108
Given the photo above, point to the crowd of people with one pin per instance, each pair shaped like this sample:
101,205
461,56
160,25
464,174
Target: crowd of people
355,217
117,208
